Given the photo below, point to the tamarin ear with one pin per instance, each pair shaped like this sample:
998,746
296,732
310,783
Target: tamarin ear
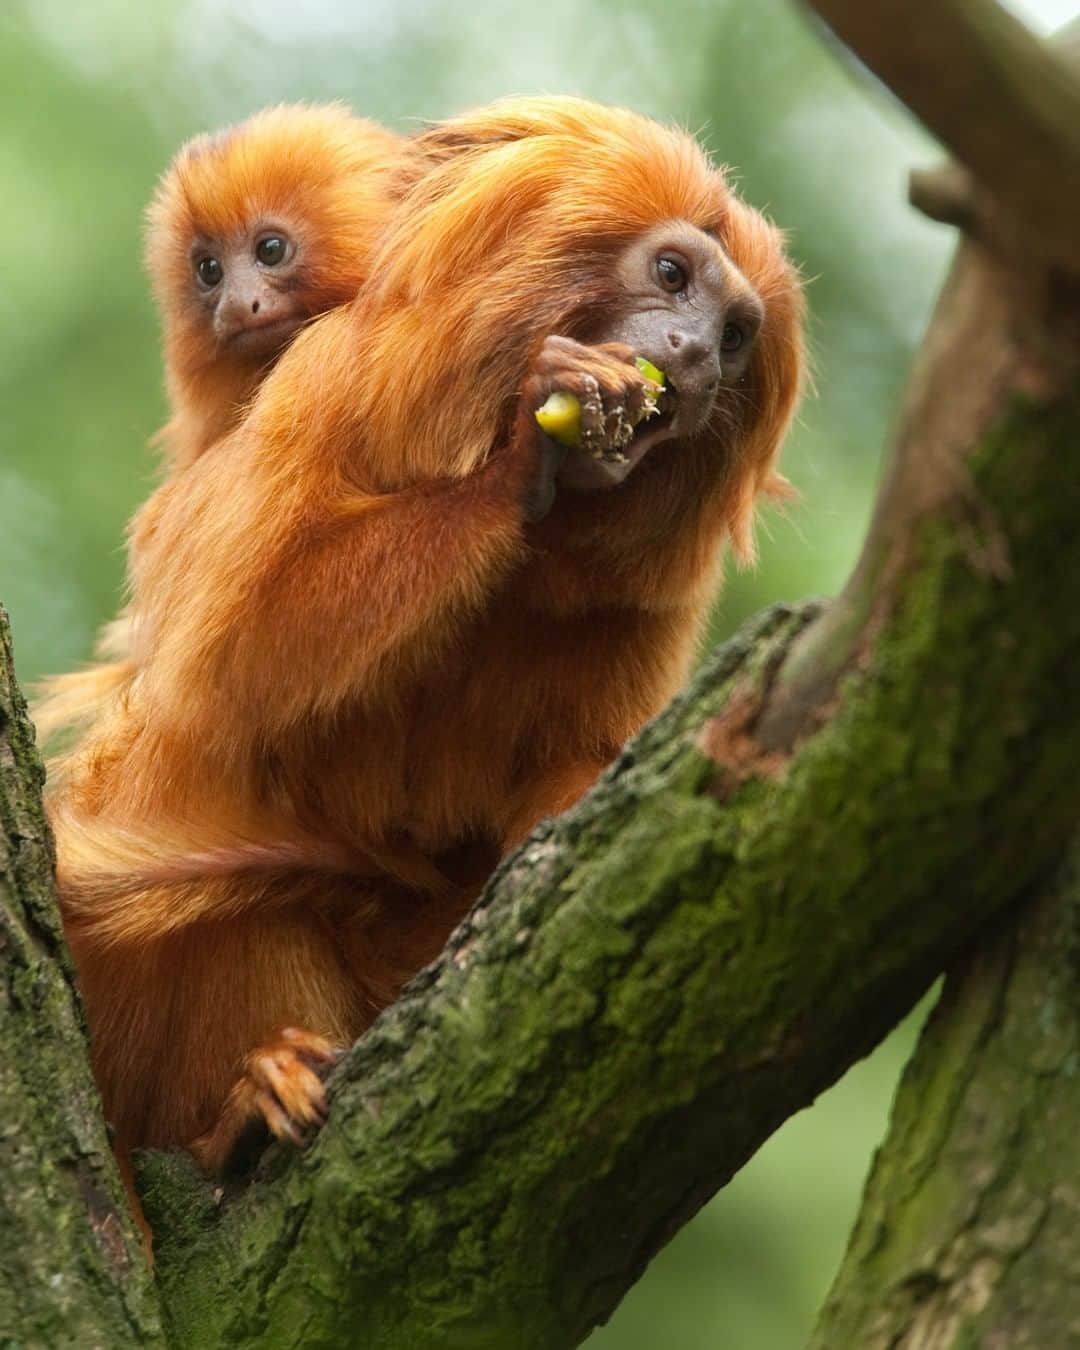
780,489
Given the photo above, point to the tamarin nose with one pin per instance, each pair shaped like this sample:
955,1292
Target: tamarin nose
254,306
693,362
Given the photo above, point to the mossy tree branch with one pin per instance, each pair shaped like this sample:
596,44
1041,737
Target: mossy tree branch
1005,103
968,1233
71,1269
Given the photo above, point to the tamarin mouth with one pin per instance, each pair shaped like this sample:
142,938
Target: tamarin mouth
657,425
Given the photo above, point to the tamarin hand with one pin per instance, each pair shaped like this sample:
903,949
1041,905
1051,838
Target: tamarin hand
596,403
560,417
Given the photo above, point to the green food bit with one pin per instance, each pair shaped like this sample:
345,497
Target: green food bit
649,371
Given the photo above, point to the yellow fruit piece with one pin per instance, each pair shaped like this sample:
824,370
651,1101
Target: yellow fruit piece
560,417
649,371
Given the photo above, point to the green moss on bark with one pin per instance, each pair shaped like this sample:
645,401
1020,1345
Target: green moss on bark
968,1234
71,1269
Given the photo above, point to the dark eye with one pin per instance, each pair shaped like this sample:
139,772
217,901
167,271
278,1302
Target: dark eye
670,274
271,249
209,271
732,338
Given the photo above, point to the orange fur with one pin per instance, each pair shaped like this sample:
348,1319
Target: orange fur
330,178
352,649
68,703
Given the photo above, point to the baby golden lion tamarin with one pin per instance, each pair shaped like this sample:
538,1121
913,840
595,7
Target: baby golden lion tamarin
252,232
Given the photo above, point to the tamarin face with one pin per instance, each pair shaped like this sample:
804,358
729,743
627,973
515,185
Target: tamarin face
247,288
554,217
257,228
679,301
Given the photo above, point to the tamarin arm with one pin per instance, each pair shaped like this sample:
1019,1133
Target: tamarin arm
279,581
268,595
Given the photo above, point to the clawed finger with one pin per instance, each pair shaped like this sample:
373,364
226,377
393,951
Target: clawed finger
279,1122
296,1087
316,1050
608,416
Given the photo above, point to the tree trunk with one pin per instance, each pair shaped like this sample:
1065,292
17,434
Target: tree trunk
969,1233
72,1271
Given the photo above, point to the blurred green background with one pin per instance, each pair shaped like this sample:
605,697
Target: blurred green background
94,100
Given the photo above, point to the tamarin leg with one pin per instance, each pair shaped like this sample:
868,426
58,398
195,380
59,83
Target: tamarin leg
383,933
175,1023
549,796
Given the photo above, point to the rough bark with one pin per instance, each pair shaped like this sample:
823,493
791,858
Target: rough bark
969,1233
71,1268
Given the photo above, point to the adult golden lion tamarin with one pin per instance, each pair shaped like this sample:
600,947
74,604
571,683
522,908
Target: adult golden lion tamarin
388,624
